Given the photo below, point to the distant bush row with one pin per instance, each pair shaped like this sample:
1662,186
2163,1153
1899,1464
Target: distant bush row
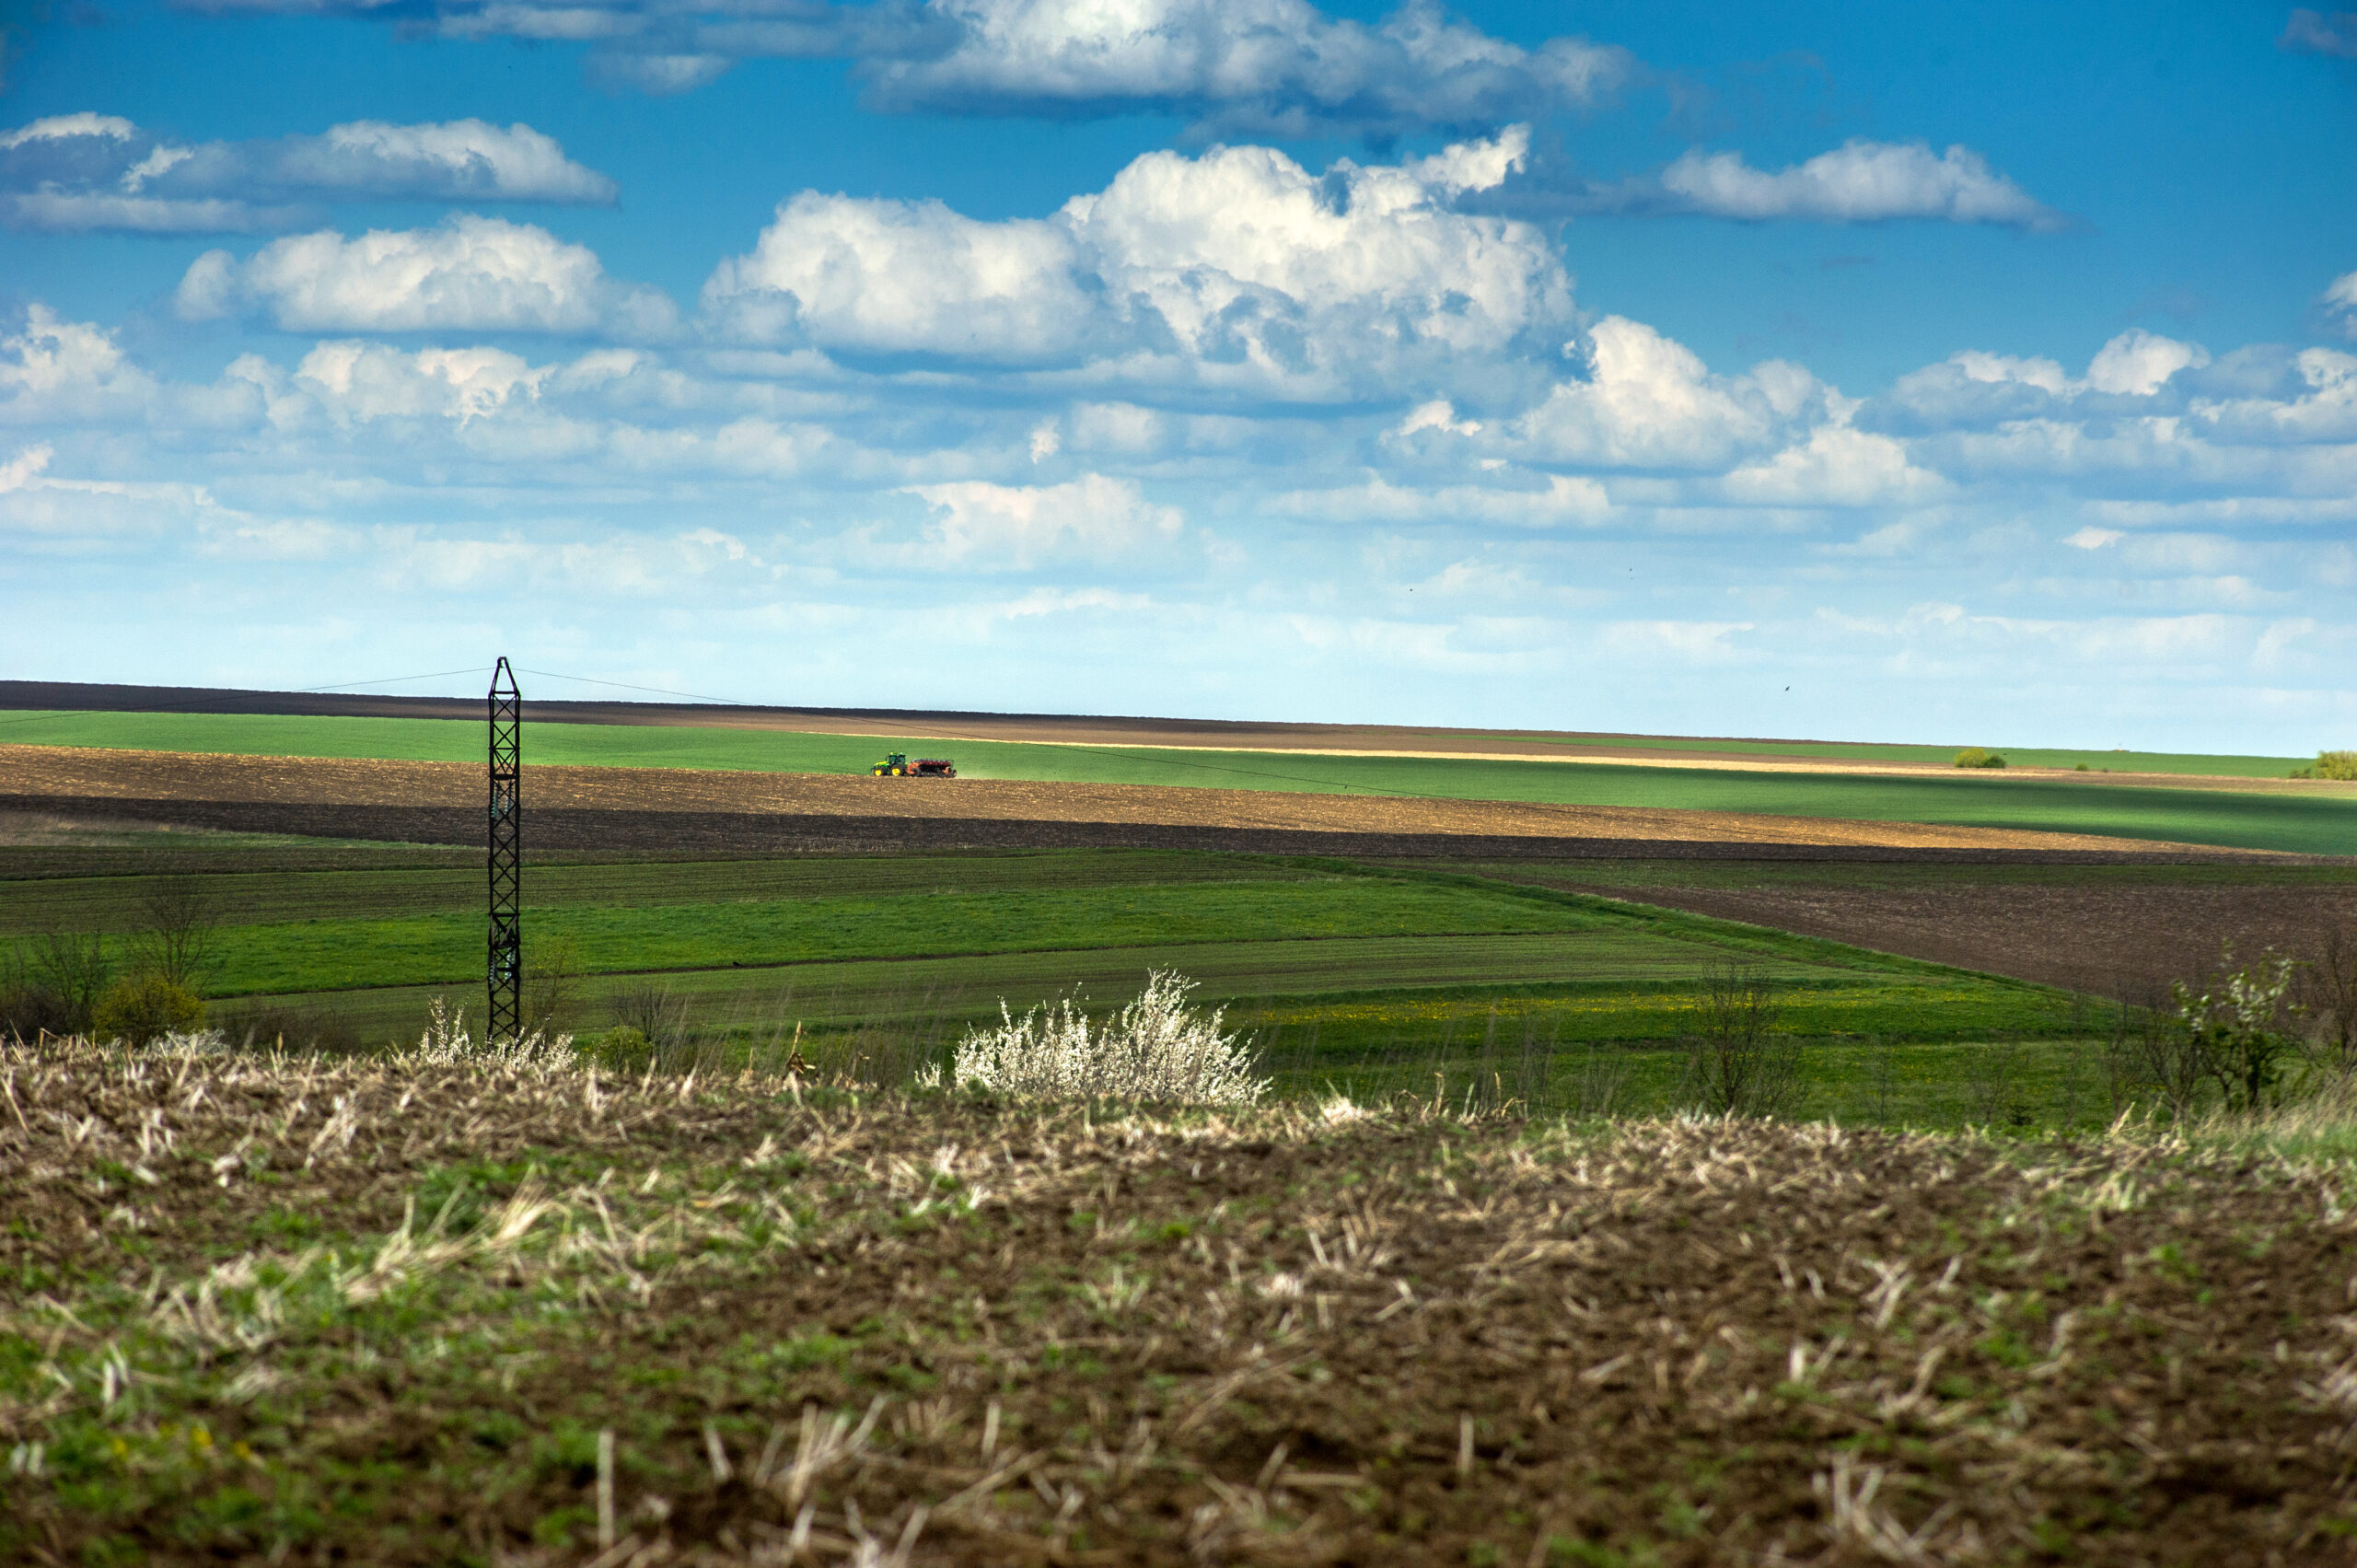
1974,756
2339,765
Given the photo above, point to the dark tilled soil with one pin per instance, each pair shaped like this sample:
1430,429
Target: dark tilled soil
696,834
978,1334
2126,941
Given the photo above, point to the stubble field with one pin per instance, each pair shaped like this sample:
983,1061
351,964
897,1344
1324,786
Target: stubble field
310,1312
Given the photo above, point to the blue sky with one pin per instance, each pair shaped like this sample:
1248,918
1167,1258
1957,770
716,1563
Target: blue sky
1860,371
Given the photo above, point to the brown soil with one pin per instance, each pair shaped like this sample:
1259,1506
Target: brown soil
36,774
1135,1339
2125,942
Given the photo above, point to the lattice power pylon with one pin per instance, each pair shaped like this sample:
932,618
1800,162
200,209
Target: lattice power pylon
506,857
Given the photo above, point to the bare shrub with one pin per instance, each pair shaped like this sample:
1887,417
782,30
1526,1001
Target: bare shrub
75,967
551,988
1155,1048
2151,1055
659,1015
2328,997
1737,1062
182,917
29,1008
1993,1079
1602,1079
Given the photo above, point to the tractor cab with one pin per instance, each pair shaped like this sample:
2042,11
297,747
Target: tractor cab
897,766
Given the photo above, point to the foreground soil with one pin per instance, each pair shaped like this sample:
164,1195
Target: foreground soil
54,778
308,1312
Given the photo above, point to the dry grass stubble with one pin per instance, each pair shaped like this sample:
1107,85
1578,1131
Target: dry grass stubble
672,1320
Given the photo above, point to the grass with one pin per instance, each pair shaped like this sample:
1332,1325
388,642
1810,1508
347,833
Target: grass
308,1312
1375,975
2294,821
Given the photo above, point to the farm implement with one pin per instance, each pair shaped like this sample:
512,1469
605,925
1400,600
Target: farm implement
897,766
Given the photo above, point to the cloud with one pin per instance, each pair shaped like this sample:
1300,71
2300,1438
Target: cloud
1834,466
69,128
24,467
1649,403
1264,67
1975,390
981,525
2093,537
2315,32
1556,500
367,381
90,171
2339,302
1272,67
468,274
53,371
1859,181
1236,268
2136,362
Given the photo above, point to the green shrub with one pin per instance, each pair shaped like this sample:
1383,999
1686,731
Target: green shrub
2341,765
620,1050
1974,756
145,1008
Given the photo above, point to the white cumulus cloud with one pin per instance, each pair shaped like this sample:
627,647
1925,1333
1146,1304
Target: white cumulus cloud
1649,401
1859,181
468,274
980,524
1238,267
2136,362
364,380
100,173
1836,465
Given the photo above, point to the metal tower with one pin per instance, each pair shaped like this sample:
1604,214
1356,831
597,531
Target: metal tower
506,858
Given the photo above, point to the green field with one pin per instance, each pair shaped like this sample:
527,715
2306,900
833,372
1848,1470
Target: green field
1369,976
2119,761
2310,821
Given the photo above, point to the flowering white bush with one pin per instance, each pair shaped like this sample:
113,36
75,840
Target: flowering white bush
1155,1048
447,1043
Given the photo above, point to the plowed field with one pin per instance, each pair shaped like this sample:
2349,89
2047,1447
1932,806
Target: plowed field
2125,942
67,773
402,1314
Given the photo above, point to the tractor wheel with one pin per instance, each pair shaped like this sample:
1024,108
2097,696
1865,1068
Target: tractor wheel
898,773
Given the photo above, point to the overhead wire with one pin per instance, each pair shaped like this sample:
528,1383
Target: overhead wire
49,715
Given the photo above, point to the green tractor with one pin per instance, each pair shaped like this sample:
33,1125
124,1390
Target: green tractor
897,766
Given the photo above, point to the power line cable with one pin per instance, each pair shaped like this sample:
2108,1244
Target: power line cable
50,715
